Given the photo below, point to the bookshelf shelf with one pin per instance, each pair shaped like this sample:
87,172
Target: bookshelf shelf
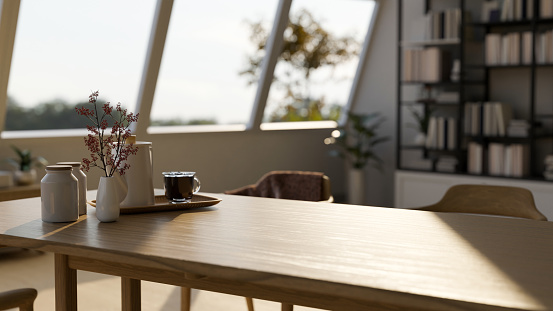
525,75
438,42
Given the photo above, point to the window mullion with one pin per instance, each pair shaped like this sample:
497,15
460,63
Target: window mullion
152,64
272,52
8,23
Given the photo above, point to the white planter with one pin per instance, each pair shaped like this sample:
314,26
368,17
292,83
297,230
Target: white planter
107,200
356,186
24,178
420,139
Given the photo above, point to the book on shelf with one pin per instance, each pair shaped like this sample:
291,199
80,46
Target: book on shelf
508,160
544,47
441,25
518,128
496,155
506,10
475,155
490,11
425,65
546,8
503,49
442,133
473,116
446,164
487,119
526,57
451,133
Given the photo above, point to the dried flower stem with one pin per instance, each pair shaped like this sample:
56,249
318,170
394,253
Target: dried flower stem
110,150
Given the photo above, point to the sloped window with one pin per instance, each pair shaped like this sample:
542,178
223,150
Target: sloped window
64,49
206,49
314,74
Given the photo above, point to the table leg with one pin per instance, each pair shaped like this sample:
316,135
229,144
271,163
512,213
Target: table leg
287,307
66,284
130,294
185,296
249,303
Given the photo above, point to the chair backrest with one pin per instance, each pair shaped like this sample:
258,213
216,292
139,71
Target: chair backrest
296,185
23,299
490,200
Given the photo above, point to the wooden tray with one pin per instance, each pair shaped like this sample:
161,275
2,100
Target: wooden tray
162,204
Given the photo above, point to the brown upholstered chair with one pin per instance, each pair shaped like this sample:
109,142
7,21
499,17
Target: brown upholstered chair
294,185
23,299
490,200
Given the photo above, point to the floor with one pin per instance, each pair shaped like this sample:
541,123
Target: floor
101,292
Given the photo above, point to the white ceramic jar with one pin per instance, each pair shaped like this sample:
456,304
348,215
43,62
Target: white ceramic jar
81,178
59,193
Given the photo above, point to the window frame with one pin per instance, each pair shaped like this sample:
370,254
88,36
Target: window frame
9,12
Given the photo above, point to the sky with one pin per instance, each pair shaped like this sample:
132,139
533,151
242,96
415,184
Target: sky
65,49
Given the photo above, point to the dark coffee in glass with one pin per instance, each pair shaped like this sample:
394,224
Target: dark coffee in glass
180,186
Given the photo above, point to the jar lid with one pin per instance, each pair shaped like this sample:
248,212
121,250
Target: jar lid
73,164
59,168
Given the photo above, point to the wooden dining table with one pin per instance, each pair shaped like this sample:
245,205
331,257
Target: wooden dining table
322,255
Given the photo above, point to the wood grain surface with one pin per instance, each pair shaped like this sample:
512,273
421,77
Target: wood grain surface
311,253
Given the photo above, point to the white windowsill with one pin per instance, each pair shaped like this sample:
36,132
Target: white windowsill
44,133
196,129
300,125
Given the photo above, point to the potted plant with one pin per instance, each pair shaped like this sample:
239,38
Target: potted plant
109,130
25,173
356,141
422,118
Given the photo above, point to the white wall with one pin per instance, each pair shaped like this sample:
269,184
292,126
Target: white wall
377,92
223,161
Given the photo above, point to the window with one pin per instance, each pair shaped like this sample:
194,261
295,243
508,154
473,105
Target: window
205,52
314,74
65,49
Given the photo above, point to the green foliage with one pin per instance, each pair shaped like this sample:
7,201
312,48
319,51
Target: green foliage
178,121
25,161
356,140
307,47
306,110
55,114
58,114
422,118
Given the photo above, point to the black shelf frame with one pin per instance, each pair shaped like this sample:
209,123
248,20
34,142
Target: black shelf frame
534,25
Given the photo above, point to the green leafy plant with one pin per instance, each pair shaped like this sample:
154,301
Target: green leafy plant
25,160
422,118
356,140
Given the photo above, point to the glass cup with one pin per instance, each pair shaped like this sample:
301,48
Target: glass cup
180,186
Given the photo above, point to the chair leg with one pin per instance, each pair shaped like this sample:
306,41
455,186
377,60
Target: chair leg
287,307
249,302
185,298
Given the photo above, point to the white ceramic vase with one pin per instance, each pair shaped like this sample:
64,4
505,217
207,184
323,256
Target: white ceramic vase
108,200
356,186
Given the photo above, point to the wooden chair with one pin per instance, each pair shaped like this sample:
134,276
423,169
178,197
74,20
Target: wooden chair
23,299
490,200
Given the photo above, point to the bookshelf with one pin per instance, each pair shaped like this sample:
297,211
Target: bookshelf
499,115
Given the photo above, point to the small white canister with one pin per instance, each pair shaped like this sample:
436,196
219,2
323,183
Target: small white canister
81,178
59,193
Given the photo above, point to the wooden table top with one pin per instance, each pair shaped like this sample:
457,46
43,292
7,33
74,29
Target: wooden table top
424,260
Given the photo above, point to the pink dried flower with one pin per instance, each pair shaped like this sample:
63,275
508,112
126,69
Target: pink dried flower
108,152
